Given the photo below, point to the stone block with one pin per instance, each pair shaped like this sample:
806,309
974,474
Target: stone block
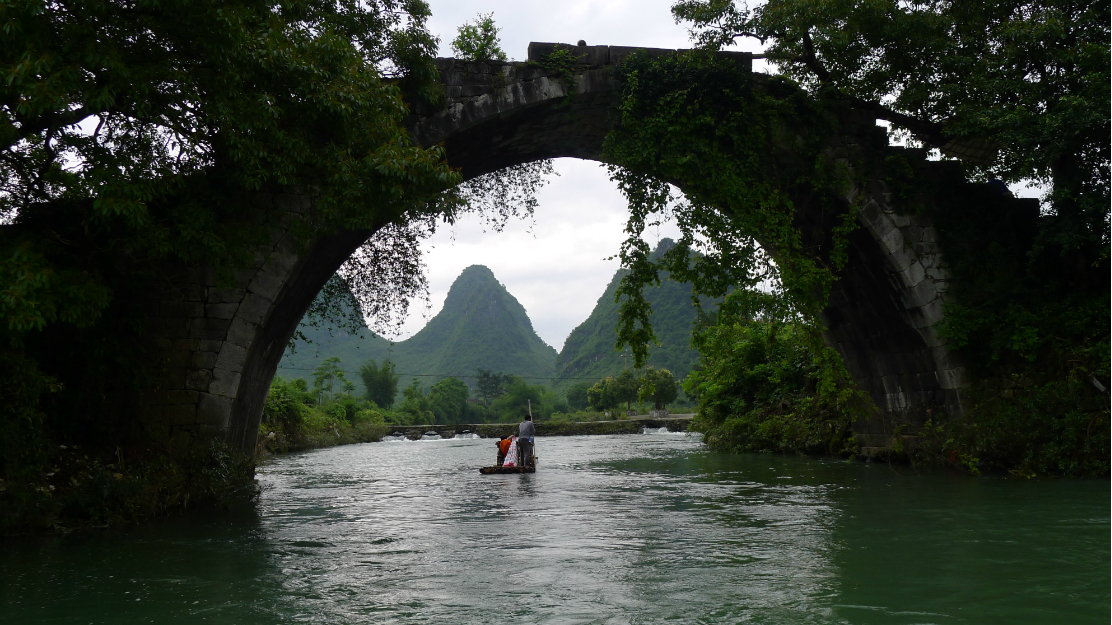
241,277
177,358
209,346
618,54
876,185
208,329
280,263
232,358
453,91
185,345
203,360
901,259
177,414
162,345
222,296
198,380
224,383
242,332
168,327
444,64
470,91
173,378
254,308
901,221
182,397
947,379
212,432
181,309
914,274
221,311
214,413
456,77
151,307
267,284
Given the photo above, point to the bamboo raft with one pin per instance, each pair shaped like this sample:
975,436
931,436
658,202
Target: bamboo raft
497,470
504,470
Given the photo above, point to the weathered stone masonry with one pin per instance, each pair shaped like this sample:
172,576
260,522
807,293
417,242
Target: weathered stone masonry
217,348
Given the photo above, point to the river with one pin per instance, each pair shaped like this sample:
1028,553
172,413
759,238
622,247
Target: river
611,529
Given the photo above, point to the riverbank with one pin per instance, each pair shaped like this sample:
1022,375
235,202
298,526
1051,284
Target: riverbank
633,425
275,443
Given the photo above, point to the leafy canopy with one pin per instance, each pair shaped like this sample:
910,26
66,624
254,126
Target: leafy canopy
118,121
742,153
478,40
381,382
1026,81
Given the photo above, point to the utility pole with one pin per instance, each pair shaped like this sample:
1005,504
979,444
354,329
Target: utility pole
625,359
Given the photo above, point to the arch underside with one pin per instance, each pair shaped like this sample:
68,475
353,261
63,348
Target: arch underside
869,320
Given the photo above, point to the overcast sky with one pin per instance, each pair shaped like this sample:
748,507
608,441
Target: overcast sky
559,269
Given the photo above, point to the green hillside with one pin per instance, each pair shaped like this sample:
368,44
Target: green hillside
480,326
589,353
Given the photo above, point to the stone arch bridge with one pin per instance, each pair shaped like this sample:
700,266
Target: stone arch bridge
218,348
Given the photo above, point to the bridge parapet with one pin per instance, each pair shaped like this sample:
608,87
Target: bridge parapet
499,113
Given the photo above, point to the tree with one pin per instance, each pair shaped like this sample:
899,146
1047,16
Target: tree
416,403
577,396
490,386
514,404
448,400
1015,87
381,383
628,384
327,375
603,395
658,385
478,40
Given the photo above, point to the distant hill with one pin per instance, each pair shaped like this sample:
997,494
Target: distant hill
589,350
480,326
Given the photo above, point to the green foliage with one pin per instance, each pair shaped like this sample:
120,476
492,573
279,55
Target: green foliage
740,150
381,383
416,403
609,393
448,400
295,418
287,404
1028,79
560,62
480,326
80,489
589,349
491,386
513,404
1032,328
767,382
577,395
132,146
478,40
327,376
603,395
658,386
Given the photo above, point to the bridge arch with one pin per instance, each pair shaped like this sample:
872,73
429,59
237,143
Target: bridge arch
220,347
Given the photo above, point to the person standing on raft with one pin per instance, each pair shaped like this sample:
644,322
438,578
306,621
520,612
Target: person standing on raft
525,433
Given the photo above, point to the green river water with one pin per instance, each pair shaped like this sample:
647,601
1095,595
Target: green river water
611,529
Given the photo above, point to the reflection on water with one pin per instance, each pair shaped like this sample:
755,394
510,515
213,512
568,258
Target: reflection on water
611,529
